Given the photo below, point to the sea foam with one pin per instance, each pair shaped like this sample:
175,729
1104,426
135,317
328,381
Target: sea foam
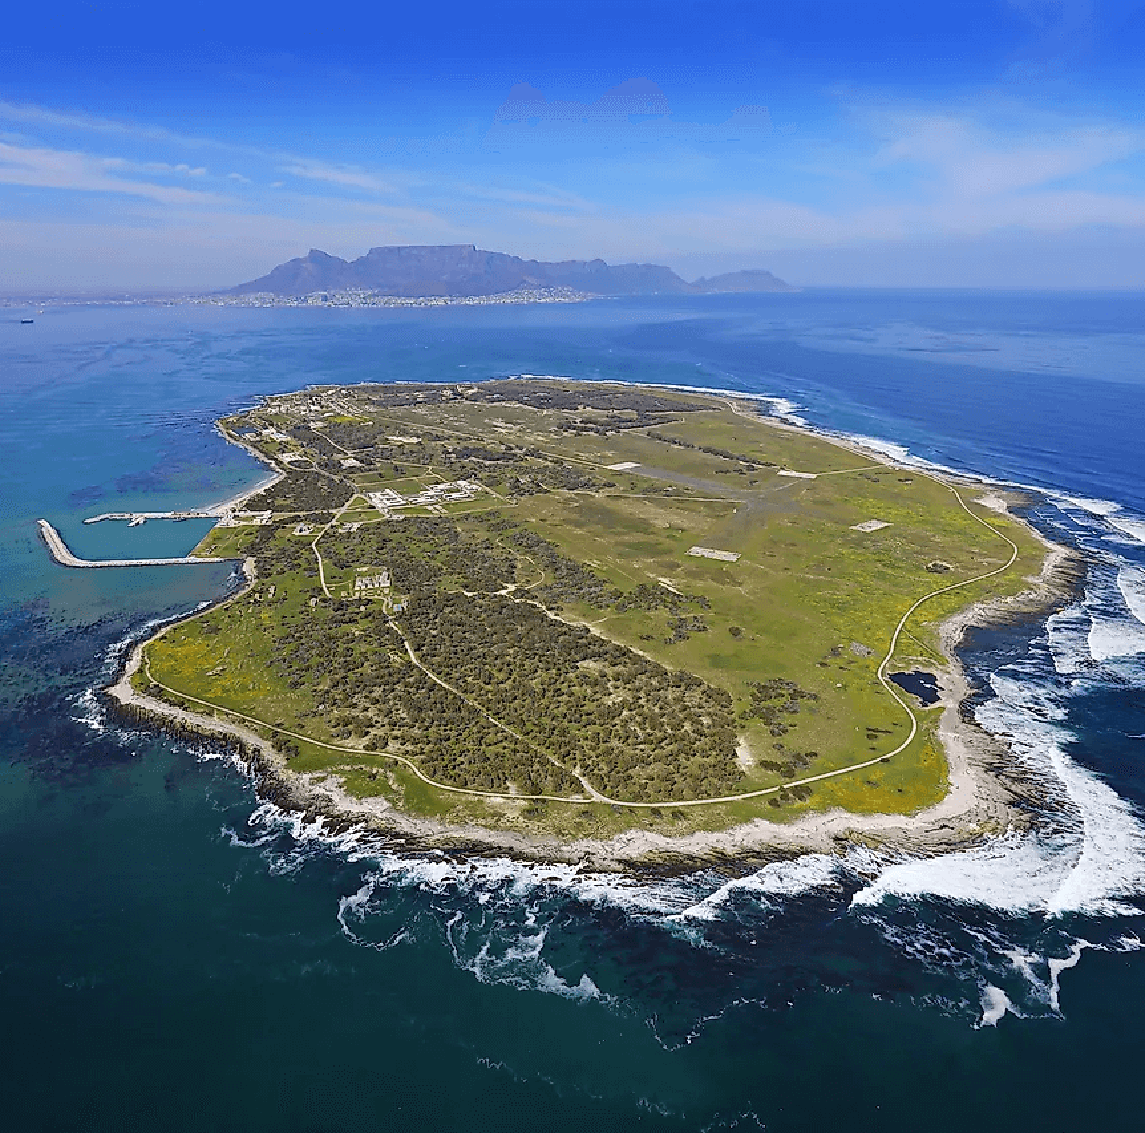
1094,507
1133,527
995,1004
776,879
1131,583
1090,862
1115,597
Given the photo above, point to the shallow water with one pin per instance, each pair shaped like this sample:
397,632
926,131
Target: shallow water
173,953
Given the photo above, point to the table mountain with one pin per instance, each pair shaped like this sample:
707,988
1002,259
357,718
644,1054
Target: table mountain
462,269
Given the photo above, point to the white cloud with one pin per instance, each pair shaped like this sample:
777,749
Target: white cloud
343,175
66,169
45,116
546,195
730,223
899,173
969,161
634,112
182,169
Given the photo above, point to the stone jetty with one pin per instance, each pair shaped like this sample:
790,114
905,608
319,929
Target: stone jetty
60,552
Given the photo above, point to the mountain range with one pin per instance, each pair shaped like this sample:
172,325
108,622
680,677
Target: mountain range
462,269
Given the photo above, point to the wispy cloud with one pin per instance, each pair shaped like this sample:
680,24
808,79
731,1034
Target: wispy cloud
1062,30
34,115
66,169
160,167
548,195
966,160
635,111
343,175
908,172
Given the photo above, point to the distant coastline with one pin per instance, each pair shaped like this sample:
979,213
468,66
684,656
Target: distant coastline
413,276
418,271
349,298
361,298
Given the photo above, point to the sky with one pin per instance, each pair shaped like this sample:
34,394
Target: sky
986,143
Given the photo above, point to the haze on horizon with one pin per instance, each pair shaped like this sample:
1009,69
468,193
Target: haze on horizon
988,143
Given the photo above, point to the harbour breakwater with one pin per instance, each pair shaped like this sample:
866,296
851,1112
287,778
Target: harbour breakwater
136,518
60,552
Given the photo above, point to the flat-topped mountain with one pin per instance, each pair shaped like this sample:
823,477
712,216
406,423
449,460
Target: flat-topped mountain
462,269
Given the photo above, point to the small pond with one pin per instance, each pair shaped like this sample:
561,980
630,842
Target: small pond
917,683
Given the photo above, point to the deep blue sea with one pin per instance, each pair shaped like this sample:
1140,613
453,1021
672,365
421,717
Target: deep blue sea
176,956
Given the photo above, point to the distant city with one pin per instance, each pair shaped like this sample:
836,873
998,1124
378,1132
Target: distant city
358,297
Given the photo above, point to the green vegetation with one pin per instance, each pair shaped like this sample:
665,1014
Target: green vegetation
540,629
303,492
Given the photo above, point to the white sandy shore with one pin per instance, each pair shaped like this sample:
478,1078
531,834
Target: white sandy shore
979,801
234,503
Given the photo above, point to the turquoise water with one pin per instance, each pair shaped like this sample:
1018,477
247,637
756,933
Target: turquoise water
175,955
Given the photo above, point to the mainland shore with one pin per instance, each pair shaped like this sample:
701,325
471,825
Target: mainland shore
988,792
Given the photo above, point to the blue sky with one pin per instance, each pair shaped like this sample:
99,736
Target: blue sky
994,143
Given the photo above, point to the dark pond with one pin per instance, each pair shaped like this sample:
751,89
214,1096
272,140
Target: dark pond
917,683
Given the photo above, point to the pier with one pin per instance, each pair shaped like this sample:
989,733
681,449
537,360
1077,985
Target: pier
135,518
60,552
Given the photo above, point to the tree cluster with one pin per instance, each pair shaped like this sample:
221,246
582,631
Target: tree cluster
302,491
636,730
789,762
773,699
422,553
363,686
683,627
571,581
647,597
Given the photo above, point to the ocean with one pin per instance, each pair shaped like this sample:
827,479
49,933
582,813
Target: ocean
176,955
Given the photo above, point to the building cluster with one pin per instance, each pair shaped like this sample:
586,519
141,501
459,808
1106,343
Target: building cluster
244,518
380,581
354,297
454,491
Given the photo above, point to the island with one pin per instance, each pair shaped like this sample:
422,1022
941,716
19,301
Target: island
589,621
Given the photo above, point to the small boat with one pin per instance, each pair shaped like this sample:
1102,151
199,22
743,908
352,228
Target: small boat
26,321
